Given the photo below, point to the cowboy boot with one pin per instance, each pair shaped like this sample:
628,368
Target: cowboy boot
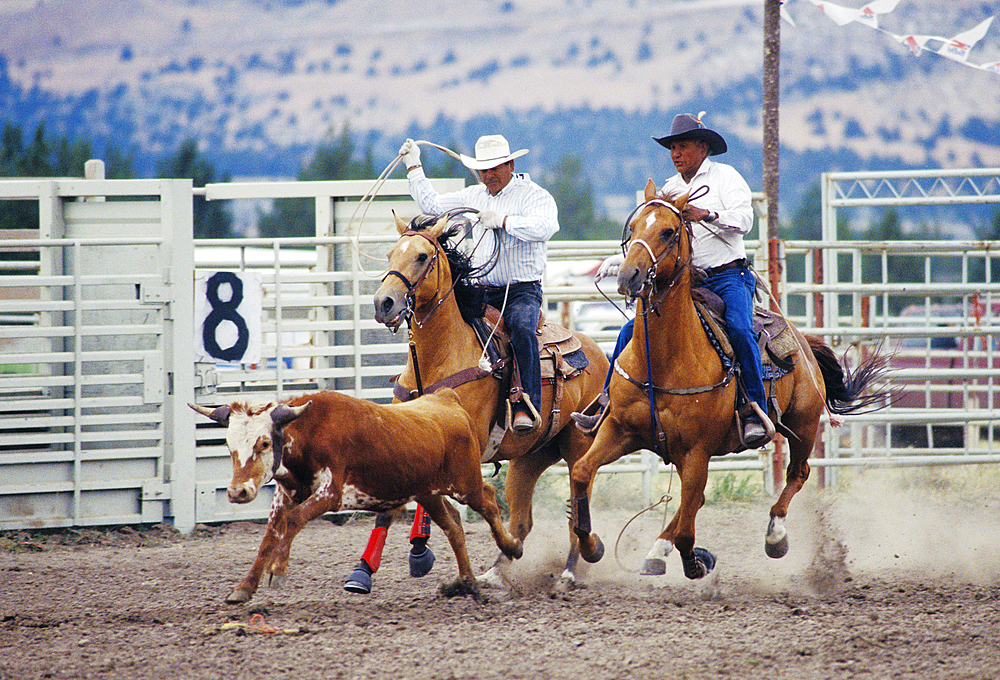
588,420
758,429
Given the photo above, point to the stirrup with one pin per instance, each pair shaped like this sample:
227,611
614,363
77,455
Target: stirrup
765,423
589,420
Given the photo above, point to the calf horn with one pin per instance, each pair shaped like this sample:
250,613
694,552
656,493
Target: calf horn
284,414
219,414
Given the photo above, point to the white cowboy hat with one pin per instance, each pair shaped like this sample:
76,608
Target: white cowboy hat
491,151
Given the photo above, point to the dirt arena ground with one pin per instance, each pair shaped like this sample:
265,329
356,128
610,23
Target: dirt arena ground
879,583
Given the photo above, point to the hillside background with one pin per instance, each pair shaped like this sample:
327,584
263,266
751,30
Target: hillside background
260,83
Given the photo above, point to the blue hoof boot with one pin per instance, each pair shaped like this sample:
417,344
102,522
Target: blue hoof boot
420,564
706,558
360,581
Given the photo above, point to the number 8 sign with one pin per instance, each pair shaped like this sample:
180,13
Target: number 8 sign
228,309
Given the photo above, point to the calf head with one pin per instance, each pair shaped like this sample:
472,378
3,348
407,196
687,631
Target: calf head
255,439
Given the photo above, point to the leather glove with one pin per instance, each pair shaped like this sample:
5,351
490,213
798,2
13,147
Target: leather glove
609,267
410,153
491,220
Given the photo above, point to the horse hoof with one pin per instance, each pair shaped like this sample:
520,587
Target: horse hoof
706,558
360,581
420,564
238,596
700,565
276,581
597,554
778,548
654,567
517,553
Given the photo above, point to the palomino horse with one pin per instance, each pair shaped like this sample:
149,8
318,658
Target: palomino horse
424,288
672,393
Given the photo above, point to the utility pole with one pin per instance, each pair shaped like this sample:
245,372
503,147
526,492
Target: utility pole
771,96
772,61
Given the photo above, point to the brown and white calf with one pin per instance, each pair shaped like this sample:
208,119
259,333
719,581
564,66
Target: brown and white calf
328,451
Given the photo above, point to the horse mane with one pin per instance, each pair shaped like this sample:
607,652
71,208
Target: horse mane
470,298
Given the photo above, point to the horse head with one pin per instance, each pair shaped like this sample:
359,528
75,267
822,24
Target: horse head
418,271
656,243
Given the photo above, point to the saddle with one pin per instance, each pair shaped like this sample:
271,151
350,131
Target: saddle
776,340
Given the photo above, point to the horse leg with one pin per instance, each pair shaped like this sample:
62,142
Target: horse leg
360,580
610,444
446,516
776,538
697,562
522,476
421,557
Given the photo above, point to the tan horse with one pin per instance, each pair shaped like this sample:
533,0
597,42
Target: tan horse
447,346
694,392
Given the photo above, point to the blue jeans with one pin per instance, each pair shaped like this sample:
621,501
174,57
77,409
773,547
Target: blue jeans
736,287
524,303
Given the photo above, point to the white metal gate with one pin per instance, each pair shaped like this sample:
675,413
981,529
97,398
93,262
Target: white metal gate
95,356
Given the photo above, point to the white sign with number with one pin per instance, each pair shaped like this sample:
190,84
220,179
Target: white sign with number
227,309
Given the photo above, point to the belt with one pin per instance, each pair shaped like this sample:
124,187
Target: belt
742,263
514,286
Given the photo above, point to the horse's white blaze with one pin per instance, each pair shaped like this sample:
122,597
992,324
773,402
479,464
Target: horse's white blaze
245,431
777,530
661,548
403,247
650,219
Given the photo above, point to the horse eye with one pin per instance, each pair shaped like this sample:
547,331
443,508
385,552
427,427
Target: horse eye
421,258
666,234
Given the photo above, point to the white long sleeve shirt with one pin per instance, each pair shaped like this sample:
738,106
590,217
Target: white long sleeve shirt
716,243
532,219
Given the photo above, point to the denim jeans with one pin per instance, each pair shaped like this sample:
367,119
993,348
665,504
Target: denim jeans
736,287
524,303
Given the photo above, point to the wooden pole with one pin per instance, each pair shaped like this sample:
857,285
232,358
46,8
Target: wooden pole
772,61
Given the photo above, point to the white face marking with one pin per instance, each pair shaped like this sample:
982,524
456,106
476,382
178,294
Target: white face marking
403,247
650,219
244,432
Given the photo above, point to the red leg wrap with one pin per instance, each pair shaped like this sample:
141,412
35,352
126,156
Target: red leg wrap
373,553
421,525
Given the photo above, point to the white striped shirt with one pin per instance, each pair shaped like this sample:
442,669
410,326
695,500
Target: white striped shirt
532,219
718,242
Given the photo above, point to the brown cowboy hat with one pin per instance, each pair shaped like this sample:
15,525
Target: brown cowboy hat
687,126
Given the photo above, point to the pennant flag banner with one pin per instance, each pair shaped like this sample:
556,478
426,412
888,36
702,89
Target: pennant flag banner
956,48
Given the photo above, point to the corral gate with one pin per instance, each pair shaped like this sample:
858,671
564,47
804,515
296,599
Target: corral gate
96,355
96,325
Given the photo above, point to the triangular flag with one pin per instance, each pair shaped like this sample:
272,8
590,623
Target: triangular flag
958,47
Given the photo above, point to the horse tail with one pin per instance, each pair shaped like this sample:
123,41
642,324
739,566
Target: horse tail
846,390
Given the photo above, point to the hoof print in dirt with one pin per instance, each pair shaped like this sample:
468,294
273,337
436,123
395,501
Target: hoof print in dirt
461,588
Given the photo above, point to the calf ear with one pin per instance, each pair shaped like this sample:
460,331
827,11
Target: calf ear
219,415
282,414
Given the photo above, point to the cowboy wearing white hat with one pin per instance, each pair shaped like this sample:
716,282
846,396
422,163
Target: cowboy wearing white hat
720,215
520,217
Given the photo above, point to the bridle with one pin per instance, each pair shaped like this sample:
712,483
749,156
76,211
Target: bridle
409,297
671,244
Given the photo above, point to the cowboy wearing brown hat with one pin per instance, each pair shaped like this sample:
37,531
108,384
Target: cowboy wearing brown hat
720,216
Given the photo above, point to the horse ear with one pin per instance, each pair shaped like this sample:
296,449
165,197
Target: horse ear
437,228
650,190
401,226
682,201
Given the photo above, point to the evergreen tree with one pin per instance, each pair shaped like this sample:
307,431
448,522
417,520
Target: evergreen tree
211,218
574,196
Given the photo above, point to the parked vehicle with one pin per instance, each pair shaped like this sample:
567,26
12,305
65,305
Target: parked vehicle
946,363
